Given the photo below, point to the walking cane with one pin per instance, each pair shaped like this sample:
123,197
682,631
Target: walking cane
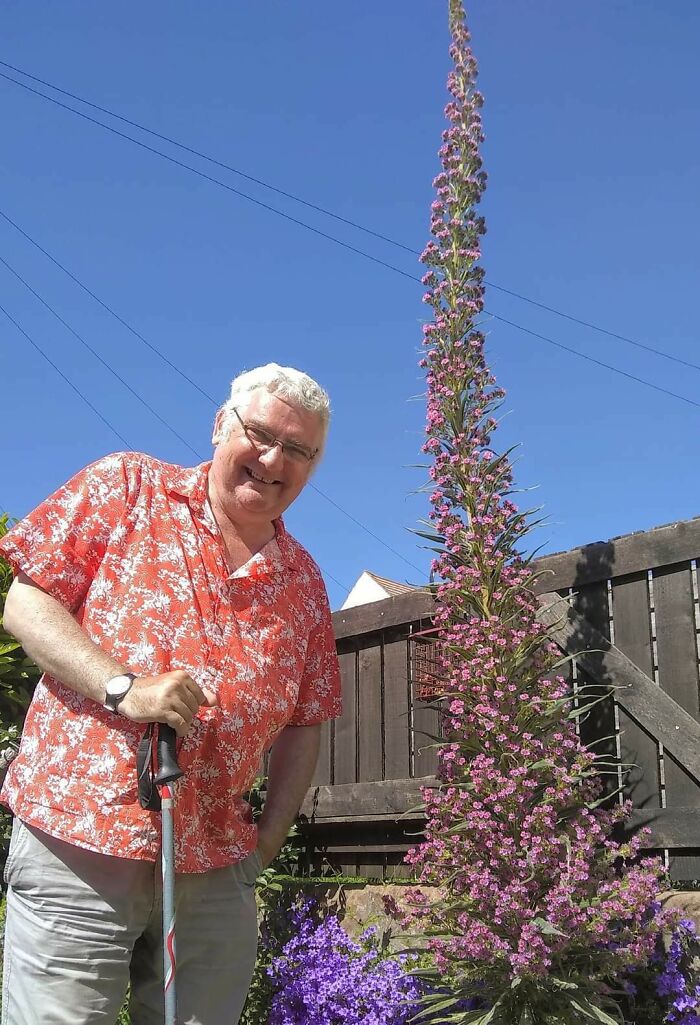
168,772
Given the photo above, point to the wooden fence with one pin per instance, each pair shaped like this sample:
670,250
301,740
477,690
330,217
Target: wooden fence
633,608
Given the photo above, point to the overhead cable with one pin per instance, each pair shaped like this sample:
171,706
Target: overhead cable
319,209
94,408
205,156
107,308
105,364
209,178
158,352
599,363
67,380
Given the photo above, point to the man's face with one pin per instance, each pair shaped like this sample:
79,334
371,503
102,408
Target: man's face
254,485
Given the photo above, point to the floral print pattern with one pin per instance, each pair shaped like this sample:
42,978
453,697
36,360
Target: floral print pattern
130,546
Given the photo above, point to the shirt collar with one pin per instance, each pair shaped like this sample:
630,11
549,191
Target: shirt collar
191,483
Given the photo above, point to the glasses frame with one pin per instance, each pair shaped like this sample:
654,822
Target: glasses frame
286,447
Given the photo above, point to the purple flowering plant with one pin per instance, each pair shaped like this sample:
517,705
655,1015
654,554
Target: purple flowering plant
667,992
539,908
323,977
678,980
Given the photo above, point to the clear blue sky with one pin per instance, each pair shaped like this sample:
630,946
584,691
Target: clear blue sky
593,153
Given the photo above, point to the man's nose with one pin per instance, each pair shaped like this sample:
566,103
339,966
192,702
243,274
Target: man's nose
272,456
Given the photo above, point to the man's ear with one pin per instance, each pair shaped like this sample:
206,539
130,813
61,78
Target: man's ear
218,433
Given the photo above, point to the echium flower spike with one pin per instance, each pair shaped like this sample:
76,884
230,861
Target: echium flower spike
534,909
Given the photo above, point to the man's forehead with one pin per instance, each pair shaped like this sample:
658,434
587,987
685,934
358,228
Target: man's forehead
275,413
262,404
261,401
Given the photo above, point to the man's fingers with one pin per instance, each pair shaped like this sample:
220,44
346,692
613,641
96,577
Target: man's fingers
176,721
188,696
173,698
203,697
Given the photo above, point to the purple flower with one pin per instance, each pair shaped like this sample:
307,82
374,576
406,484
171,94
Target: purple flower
322,977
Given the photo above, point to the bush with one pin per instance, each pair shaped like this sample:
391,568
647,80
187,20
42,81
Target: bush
18,677
18,674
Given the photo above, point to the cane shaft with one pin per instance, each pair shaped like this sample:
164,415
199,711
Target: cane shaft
168,865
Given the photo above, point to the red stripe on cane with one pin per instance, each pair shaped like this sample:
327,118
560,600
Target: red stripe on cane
170,946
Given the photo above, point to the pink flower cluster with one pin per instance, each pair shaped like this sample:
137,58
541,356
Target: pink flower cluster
536,897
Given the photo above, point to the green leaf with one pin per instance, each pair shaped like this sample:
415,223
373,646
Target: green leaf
546,928
582,1009
597,1013
563,983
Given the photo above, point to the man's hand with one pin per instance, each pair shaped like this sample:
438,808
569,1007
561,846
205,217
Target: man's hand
268,846
173,698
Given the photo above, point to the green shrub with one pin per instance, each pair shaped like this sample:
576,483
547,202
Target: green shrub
18,677
18,674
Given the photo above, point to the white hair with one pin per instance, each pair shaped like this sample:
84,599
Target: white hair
289,384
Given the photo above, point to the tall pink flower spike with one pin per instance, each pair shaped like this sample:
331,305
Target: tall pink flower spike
539,910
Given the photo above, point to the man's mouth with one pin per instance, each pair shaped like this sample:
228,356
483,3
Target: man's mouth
257,477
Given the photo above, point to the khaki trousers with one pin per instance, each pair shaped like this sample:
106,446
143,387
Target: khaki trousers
81,926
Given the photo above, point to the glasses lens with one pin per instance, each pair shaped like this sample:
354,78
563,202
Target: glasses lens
260,437
299,455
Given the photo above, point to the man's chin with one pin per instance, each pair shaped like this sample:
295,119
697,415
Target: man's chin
256,500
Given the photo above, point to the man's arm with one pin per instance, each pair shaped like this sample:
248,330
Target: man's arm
292,763
57,643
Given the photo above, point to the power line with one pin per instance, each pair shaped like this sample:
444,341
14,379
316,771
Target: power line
210,178
105,364
325,235
212,160
158,352
607,366
366,529
107,308
412,277
70,384
87,401
319,209
596,327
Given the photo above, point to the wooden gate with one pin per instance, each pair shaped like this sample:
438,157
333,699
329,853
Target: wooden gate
632,608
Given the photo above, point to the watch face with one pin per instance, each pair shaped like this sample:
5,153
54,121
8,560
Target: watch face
118,686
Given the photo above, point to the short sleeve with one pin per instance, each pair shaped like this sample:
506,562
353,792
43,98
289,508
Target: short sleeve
319,693
61,544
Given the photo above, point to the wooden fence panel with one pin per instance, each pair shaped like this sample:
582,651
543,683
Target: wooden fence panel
345,747
597,726
397,726
632,625
676,646
638,592
323,772
370,732
425,723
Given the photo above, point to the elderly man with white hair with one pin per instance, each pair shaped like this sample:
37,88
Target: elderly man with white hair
151,593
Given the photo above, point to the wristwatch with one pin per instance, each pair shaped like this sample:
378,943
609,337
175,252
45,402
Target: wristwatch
116,690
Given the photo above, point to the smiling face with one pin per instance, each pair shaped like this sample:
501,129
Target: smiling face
251,487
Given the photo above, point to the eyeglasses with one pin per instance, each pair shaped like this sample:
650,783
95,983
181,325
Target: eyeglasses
263,440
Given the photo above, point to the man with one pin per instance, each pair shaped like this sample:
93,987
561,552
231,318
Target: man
150,593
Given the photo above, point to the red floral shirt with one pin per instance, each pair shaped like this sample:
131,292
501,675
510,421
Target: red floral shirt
130,546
